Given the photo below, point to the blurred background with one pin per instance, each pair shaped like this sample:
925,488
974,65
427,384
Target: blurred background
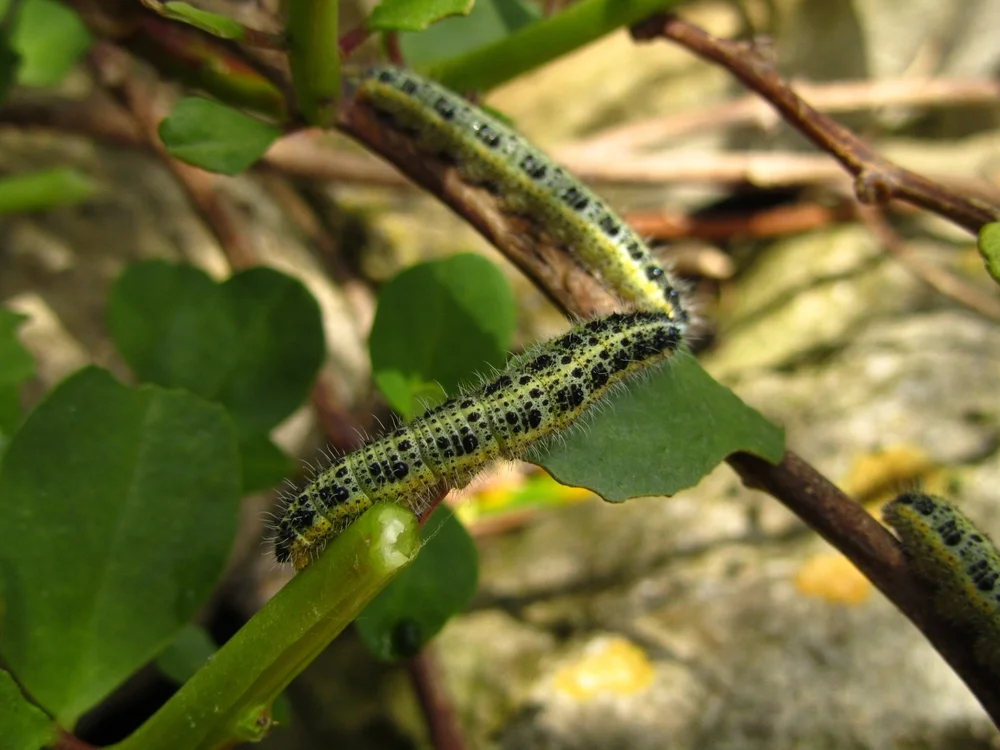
713,619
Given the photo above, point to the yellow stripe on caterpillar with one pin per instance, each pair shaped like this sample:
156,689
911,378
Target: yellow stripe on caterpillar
538,396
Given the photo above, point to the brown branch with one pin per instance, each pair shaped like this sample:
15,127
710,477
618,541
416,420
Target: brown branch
96,116
838,96
442,724
114,68
876,179
850,528
306,154
934,276
768,222
525,244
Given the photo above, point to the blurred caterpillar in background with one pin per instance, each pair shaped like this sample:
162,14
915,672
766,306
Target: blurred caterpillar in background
539,395
958,561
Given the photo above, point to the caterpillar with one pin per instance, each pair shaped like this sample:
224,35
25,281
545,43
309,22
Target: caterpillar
959,562
488,153
539,395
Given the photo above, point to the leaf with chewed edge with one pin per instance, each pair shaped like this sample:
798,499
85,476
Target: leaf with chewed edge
660,436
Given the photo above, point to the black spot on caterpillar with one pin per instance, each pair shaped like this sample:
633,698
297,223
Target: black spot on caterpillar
488,153
539,395
959,562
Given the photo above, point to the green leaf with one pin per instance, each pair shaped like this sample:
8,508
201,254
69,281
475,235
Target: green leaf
253,343
533,45
661,436
281,710
16,366
50,38
416,15
230,697
489,21
119,507
989,248
187,653
436,323
264,463
215,137
213,23
22,725
409,395
439,584
45,189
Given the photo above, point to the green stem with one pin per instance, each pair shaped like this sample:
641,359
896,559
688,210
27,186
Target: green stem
181,52
229,699
314,57
534,45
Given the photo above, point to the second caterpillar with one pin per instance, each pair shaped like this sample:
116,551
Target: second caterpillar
487,152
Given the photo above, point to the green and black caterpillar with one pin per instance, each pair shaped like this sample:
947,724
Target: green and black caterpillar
959,562
487,152
536,397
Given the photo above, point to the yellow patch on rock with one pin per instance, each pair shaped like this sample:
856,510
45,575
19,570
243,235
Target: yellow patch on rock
832,577
608,666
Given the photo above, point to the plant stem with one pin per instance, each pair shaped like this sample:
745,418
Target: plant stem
314,57
538,43
229,699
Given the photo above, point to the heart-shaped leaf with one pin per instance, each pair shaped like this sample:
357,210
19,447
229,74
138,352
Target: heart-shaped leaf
117,511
